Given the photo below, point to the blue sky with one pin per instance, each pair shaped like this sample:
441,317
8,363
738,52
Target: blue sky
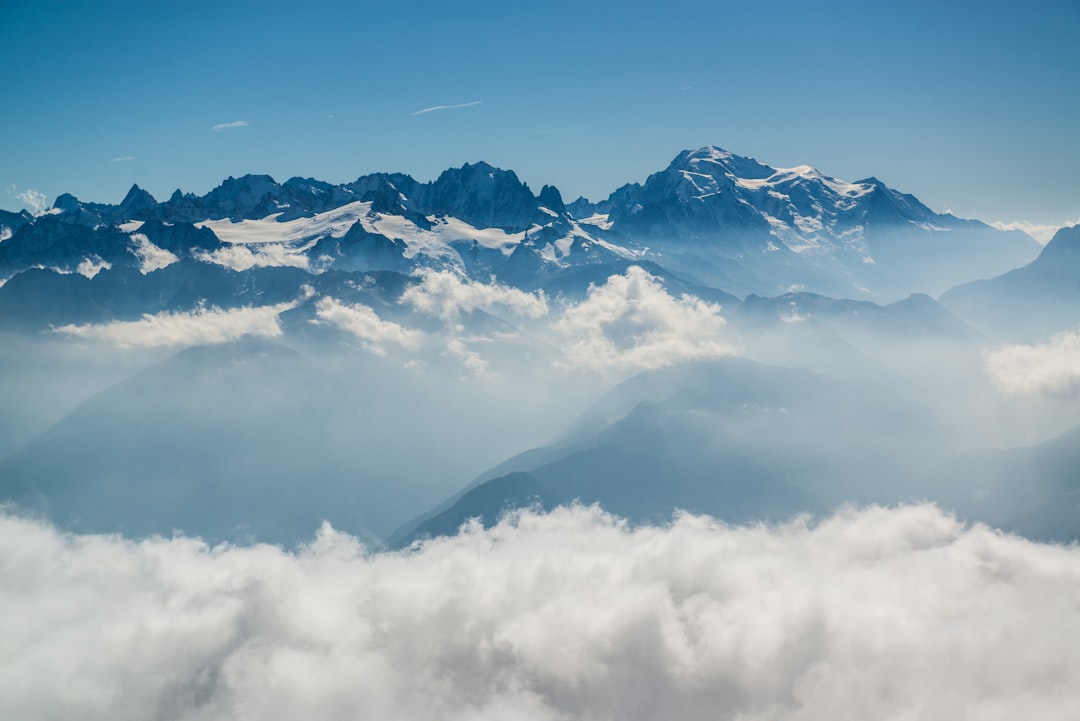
971,106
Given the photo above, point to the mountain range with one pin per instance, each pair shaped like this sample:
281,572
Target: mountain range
861,318
711,217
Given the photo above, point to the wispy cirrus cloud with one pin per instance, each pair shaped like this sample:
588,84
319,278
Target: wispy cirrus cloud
228,126
434,108
123,159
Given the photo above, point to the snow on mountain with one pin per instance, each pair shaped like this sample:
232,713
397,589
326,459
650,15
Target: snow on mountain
715,218
723,219
711,191
441,238
298,232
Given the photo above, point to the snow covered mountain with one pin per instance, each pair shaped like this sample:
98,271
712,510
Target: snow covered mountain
711,217
780,318
733,221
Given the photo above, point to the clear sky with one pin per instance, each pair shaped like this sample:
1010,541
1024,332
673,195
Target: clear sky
974,107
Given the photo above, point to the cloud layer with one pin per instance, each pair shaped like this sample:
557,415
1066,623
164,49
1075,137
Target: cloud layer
876,613
242,257
1047,369
151,257
362,322
444,295
199,327
631,322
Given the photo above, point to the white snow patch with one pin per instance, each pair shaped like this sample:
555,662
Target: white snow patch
600,220
703,183
444,231
564,244
130,226
435,243
334,223
548,252
751,183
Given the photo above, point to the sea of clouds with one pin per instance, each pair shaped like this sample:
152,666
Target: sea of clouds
875,613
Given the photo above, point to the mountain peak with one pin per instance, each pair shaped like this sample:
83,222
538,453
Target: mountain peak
551,198
484,196
1064,244
66,202
137,199
710,158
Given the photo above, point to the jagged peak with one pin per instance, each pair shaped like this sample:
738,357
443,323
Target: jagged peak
308,184
477,170
137,196
551,198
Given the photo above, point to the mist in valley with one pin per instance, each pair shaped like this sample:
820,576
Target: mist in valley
371,455
260,422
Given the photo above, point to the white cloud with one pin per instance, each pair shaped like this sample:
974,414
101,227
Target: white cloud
873,614
444,295
242,257
32,199
1049,369
1041,232
434,108
199,327
92,266
470,359
123,159
631,322
234,124
362,322
151,256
